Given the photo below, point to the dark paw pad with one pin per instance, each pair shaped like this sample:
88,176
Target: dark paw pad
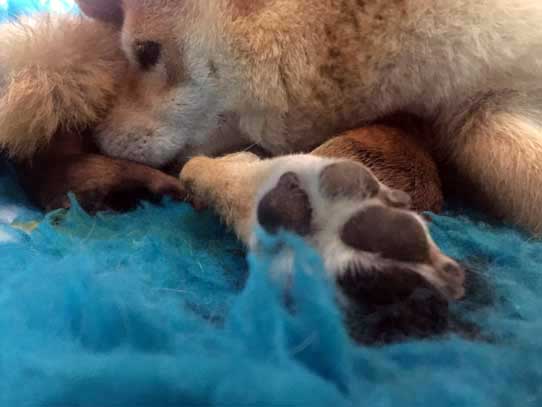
286,206
348,179
394,234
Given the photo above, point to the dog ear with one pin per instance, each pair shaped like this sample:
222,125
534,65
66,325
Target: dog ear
109,11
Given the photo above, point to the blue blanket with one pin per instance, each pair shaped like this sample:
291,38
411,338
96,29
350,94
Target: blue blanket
162,307
14,8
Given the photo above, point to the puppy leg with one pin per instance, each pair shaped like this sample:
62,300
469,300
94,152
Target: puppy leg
372,245
497,146
98,182
227,184
71,164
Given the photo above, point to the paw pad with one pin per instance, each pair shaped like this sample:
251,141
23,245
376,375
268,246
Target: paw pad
286,206
348,179
377,250
394,234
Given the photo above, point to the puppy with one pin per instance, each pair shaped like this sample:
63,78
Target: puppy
297,72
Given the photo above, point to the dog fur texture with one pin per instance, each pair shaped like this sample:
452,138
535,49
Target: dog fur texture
47,84
288,75
60,78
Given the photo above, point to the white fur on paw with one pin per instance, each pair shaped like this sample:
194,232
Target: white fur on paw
368,238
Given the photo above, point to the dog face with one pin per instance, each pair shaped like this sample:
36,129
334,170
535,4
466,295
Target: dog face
168,105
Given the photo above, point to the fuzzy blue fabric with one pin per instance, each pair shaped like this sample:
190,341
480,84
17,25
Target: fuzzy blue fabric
14,8
160,307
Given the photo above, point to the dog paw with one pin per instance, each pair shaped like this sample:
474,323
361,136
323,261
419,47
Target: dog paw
377,250
103,184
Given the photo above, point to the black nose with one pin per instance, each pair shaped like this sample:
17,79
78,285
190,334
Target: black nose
147,53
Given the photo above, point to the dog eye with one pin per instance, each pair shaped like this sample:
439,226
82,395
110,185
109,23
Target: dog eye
147,53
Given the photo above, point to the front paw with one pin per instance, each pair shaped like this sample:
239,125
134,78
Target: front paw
100,183
193,178
377,251
226,184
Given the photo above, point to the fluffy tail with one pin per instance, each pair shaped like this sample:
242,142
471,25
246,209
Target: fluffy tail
498,147
56,73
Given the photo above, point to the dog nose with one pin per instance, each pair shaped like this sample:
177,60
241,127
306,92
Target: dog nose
147,53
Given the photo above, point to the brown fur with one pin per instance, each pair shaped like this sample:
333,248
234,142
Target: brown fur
71,163
396,158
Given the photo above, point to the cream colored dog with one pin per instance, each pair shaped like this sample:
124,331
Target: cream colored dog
296,72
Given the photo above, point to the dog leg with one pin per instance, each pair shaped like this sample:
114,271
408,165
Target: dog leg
228,185
373,246
98,182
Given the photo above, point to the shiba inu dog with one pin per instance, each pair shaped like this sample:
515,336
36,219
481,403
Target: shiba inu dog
295,73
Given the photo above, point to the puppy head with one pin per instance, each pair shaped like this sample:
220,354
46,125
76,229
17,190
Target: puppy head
170,102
